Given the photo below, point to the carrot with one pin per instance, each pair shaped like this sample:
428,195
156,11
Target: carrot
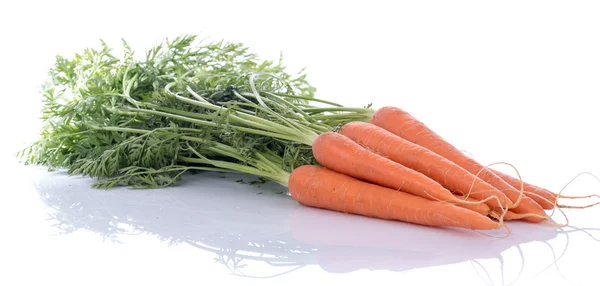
475,205
339,153
320,187
509,215
543,197
548,199
423,160
408,127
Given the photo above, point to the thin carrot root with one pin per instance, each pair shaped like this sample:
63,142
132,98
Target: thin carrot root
516,203
559,225
561,211
560,207
541,200
548,199
343,155
559,194
405,125
578,207
510,215
470,203
580,197
505,226
541,196
420,159
502,222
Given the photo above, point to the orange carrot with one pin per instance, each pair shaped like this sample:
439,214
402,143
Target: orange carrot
320,187
423,160
474,205
339,153
543,197
408,127
509,215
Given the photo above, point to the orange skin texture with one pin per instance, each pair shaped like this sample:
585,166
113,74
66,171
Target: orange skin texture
475,206
339,153
423,160
320,187
543,197
406,126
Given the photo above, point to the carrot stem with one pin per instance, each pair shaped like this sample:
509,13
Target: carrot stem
369,112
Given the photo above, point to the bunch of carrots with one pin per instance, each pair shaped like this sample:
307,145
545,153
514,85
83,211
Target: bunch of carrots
217,108
395,167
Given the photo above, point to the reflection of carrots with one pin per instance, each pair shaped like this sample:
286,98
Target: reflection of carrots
345,244
323,188
349,244
339,259
421,159
408,127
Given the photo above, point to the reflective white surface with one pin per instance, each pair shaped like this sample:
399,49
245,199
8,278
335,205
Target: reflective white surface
514,82
59,231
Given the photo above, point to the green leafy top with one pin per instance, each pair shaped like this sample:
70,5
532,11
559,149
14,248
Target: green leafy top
185,106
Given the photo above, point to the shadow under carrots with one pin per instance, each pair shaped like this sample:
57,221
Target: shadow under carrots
245,225
352,243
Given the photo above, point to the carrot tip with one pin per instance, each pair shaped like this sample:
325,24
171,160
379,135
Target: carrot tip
559,194
578,207
501,224
556,224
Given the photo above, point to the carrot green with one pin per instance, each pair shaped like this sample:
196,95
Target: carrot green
186,105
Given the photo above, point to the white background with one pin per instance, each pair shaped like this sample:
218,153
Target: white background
513,81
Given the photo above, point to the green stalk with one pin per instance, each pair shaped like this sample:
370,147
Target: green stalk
227,153
289,104
179,112
306,137
279,176
275,173
249,120
211,124
308,99
271,156
174,116
121,129
195,95
260,164
267,162
362,117
298,127
224,165
269,111
311,122
338,109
